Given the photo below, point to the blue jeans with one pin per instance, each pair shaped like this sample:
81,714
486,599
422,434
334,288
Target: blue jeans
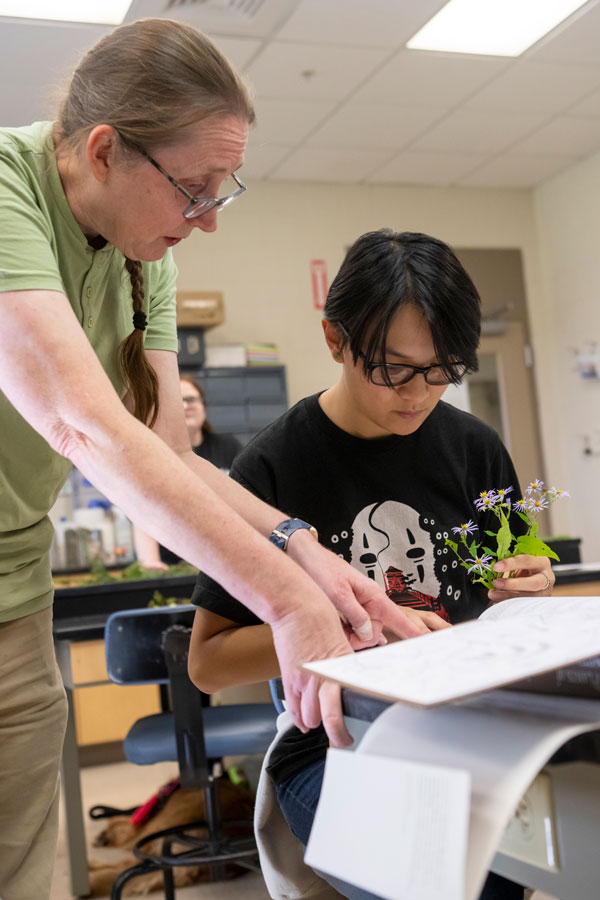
298,798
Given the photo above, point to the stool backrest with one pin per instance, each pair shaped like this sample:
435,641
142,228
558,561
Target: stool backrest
276,689
133,641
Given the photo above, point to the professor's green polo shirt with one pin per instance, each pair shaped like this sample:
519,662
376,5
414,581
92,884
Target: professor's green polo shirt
42,248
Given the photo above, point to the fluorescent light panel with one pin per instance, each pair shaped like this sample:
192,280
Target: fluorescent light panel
102,12
491,27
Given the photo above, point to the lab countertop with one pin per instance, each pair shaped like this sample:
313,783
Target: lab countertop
574,572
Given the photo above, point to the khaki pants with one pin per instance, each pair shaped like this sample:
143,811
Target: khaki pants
33,714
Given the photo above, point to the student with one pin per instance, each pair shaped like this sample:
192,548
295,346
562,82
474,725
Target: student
219,449
146,148
384,468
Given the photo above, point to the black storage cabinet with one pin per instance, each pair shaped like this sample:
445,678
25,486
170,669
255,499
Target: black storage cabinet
242,400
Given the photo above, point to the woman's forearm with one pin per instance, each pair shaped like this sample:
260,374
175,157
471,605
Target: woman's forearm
155,489
70,401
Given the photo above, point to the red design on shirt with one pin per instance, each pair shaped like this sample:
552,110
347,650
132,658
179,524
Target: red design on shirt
399,589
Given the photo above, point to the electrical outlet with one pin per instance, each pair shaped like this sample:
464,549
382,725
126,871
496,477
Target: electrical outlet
531,833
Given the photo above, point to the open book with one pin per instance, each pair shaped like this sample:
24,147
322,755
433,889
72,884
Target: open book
513,640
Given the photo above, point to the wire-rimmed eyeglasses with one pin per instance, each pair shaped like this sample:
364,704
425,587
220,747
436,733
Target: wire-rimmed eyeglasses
197,206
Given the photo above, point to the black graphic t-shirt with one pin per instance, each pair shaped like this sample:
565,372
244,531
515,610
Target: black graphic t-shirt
385,505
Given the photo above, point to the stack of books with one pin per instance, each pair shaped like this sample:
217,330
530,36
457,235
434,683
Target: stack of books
262,355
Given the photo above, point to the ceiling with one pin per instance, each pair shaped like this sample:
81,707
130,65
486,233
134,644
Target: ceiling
340,99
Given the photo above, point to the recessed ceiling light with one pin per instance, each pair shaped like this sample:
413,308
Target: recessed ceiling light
491,27
103,12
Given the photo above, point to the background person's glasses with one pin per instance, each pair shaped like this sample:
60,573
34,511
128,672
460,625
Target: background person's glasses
198,206
191,401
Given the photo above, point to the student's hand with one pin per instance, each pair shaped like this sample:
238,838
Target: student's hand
427,619
423,619
360,600
529,576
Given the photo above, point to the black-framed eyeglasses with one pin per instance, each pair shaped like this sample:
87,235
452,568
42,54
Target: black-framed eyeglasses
197,206
396,374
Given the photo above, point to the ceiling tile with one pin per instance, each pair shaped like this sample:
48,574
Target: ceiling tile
288,121
514,171
331,72
537,86
565,135
233,19
478,131
588,107
262,159
574,41
327,164
238,50
361,125
36,61
427,168
376,23
413,77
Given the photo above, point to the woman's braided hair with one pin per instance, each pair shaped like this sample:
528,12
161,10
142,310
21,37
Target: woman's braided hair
152,81
144,383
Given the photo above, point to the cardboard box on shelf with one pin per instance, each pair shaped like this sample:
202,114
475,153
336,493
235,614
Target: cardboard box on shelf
200,309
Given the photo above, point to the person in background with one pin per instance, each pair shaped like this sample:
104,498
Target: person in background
145,150
402,320
218,449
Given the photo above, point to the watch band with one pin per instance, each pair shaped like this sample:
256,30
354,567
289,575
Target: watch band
281,535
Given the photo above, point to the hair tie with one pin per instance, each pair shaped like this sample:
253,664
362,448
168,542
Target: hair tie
140,320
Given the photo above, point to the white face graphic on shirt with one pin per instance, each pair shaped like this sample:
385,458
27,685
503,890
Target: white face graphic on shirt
390,546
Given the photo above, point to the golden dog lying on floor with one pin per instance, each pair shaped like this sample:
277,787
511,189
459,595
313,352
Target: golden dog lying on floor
235,801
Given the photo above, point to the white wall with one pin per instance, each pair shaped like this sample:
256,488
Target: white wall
259,257
566,318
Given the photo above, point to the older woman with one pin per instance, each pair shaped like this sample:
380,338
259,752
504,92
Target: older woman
146,148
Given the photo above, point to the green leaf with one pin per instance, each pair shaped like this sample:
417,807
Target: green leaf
490,533
504,539
453,545
473,549
532,546
489,552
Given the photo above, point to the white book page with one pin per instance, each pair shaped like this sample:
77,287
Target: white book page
380,817
516,639
407,794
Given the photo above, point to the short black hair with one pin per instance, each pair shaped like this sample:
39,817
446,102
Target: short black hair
385,270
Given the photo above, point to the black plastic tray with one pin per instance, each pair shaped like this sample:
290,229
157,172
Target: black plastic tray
81,612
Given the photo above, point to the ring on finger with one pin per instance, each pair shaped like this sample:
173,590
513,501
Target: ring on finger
548,582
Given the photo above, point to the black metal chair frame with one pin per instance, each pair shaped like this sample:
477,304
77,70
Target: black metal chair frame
196,772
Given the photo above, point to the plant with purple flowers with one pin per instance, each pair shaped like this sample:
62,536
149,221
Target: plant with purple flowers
478,559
